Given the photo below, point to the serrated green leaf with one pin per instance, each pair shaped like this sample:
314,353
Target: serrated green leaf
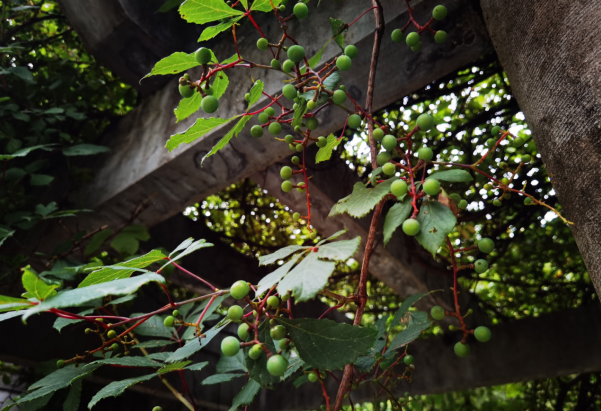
4,234
319,342
189,333
61,323
366,362
74,397
198,366
436,223
81,296
307,279
43,210
189,249
272,279
380,325
201,127
340,250
316,59
169,5
143,362
12,303
362,200
255,93
331,82
206,11
220,83
452,176
244,4
85,150
333,236
187,107
173,64
226,139
212,31
229,364
299,113
247,395
338,27
117,388
97,241
153,327
280,254
154,344
409,334
41,180
395,217
173,367
194,345
35,286
264,5
128,240
111,273
220,378
293,366
404,308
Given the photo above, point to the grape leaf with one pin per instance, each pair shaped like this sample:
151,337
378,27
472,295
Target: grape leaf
187,107
452,176
98,240
206,11
226,139
176,367
61,323
264,5
247,395
333,236
409,334
74,397
293,365
201,127
117,388
280,254
12,303
169,5
24,151
395,217
153,327
194,345
154,344
436,222
299,113
314,61
189,333
362,200
339,250
319,342
366,362
338,27
111,273
325,152
212,31
229,364
255,93
220,83
272,279
404,308
185,244
307,279
35,286
126,362
84,150
220,378
195,245
173,64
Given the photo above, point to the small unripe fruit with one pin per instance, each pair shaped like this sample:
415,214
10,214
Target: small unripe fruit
289,92
287,186
240,289
311,105
354,121
425,153
503,165
296,53
486,245
209,104
399,188
344,63
288,66
425,122
278,332
411,227
495,130
300,10
497,203
321,142
275,64
440,36
518,142
169,321
526,158
378,134
202,55
408,359
296,216
157,409
270,111
277,365
383,158
175,313
243,331
481,266
273,302
437,312
275,129
295,159
455,197
417,48
312,376
255,352
299,148
60,364
439,12
115,347
284,344
527,201
286,173
351,50
412,39
490,143
389,169
389,142
431,187
462,205
186,91
235,313
289,139
262,44
397,36
313,235
256,131
111,334
462,350
339,97
247,97
482,334
230,346
263,117
88,331
312,123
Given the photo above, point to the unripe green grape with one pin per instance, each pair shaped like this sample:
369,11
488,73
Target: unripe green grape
504,181
354,121
487,186
60,364
263,117
291,147
440,36
408,359
111,334
351,50
342,87
495,130
273,302
462,350
175,313
312,376
389,142
299,148
202,55
321,142
288,66
295,106
344,63
503,165
88,331
289,139
397,36
247,97
417,47
497,203
313,235
301,187
234,313
378,134
262,44
518,142
507,196
486,245
255,313
240,289
296,53
455,197
490,143
256,131
295,159
425,153
286,173
115,347
481,266
186,91
312,123
169,321
300,10
528,201
383,158
437,312
282,7
526,158
482,334
157,409
275,129
278,332
399,188
311,105
243,331
439,12
289,92
322,375
275,64
425,122
255,352
284,344
277,365
230,346
209,104
270,111
186,76
389,169
296,216
431,187
339,97
412,39
462,205
411,227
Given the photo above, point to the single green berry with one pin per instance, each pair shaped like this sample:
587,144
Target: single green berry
486,245
503,165
256,131
230,346
339,97
299,148
527,201
275,129
157,409
277,365
275,64
88,331
321,142
425,153
344,63
482,334
175,313
287,186
411,227
497,203
273,302
263,117
455,197
60,364
526,158
480,266
417,47
111,334
262,44
115,347
290,139
399,188
495,130
240,289
247,97
313,235
397,36
462,350
311,105
285,297
312,376
462,205
408,359
425,122
235,313
209,104
295,159
288,66
270,111
437,312
243,331
342,87
412,39
518,142
383,158
202,55
283,344
439,12
169,321
378,134
278,332
389,142
296,53
255,352
186,91
286,173
300,10
389,169
354,121
431,187
289,92
351,50
440,36
490,143
312,123
296,216
186,76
